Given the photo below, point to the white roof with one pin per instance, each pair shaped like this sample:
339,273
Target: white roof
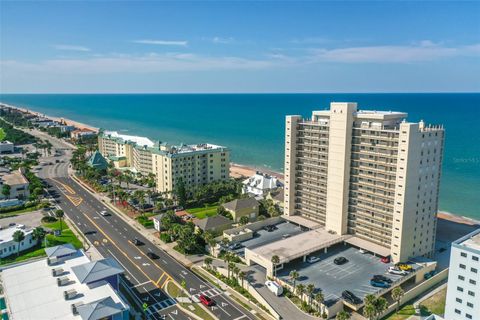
7,234
262,181
141,141
32,292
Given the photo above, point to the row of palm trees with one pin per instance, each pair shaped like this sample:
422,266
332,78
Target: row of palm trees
233,272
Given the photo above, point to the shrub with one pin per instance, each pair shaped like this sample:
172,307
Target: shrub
48,219
165,237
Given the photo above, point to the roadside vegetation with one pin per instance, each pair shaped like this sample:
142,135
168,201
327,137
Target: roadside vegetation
175,292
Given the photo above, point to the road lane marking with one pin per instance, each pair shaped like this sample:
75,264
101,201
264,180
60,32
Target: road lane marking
125,268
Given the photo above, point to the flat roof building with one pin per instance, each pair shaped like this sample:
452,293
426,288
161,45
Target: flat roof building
18,183
463,289
10,247
366,173
67,285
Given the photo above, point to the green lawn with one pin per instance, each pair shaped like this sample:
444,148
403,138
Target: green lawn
67,235
404,313
3,135
436,303
209,210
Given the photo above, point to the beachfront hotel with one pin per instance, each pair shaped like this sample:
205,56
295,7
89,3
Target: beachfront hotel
194,164
463,289
370,174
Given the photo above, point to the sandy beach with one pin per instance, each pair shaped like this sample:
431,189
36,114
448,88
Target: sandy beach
68,122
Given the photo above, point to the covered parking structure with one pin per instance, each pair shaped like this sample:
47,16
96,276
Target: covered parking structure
291,248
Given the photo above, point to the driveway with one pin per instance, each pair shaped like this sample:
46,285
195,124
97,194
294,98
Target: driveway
31,219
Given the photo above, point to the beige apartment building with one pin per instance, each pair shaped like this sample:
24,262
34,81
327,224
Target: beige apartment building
194,164
370,174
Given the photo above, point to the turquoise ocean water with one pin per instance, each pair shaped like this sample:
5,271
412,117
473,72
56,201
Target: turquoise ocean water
252,125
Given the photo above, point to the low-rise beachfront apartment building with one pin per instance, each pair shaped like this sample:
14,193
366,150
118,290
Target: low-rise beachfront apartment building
193,164
370,174
463,290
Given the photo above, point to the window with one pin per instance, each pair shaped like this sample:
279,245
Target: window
471,293
460,289
474,258
474,270
468,316
463,254
469,304
458,300
461,278
462,266
473,281
457,311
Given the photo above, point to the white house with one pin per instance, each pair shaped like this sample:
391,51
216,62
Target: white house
261,184
463,290
8,246
18,185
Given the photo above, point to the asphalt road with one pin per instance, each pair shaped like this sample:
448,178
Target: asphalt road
112,237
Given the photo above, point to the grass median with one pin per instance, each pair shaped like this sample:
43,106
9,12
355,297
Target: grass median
174,291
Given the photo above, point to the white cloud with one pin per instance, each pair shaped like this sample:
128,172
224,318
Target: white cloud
424,51
163,42
221,40
68,47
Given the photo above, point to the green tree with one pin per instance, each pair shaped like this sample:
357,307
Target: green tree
397,295
244,220
242,276
59,214
18,236
309,289
208,262
319,299
342,315
38,234
181,193
374,306
300,290
6,191
294,276
275,261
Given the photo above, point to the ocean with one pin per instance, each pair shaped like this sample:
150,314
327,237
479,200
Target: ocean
252,125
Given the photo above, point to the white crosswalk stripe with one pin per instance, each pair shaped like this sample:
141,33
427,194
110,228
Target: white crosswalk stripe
154,308
209,293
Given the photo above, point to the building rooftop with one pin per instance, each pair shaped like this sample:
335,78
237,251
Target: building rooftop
6,142
239,204
471,240
97,161
32,292
262,181
210,223
97,270
61,250
14,178
141,141
7,234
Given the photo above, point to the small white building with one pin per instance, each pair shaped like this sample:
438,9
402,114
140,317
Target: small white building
8,246
463,290
19,185
6,147
261,184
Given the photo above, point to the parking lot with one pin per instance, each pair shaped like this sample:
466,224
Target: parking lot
262,236
332,279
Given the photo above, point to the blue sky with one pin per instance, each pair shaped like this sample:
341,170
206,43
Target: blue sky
220,46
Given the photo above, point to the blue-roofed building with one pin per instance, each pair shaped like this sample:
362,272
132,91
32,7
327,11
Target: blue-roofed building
97,161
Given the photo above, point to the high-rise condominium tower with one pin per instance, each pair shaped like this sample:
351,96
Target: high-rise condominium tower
371,174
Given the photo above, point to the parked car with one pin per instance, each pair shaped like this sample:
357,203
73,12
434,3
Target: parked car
104,213
313,259
379,284
404,267
430,274
206,300
340,260
385,259
380,277
286,235
269,228
234,246
351,297
397,271
274,287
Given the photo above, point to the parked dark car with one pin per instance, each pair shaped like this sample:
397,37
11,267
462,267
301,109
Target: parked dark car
380,277
351,297
340,260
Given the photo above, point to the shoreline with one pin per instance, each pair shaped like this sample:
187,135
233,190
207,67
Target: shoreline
238,170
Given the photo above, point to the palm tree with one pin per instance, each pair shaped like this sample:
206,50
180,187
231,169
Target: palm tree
342,315
235,271
208,262
18,236
319,299
300,289
294,276
309,289
241,275
374,306
59,214
275,260
369,311
228,258
231,266
397,295
38,234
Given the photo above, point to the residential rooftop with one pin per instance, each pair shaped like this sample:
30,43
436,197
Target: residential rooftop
471,240
14,178
7,233
140,141
32,292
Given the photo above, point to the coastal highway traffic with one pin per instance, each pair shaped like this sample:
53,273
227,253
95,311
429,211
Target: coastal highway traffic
146,278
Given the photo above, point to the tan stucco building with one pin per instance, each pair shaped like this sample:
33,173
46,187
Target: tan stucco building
193,164
370,174
239,208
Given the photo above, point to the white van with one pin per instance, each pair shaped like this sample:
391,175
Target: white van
274,287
